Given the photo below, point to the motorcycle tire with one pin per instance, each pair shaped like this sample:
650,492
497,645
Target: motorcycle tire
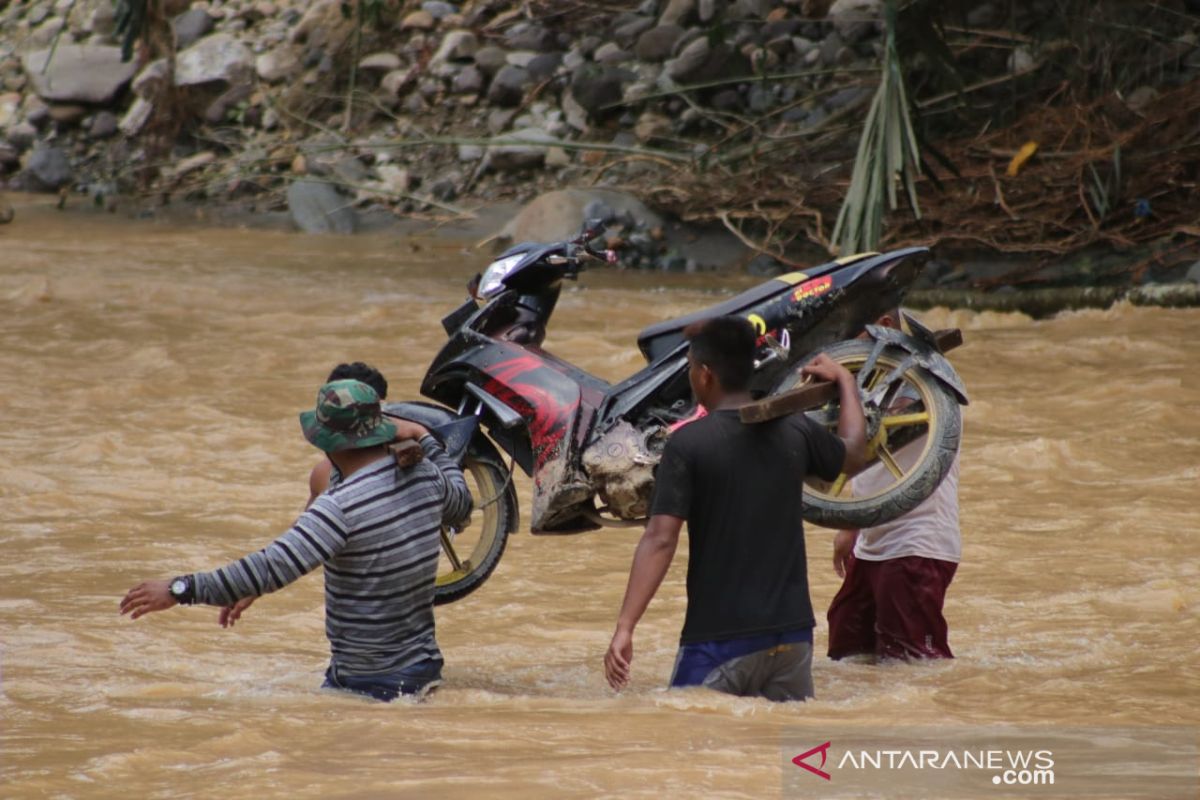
470,556
825,504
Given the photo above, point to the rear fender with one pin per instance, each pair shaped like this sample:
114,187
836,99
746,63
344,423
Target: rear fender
925,354
461,435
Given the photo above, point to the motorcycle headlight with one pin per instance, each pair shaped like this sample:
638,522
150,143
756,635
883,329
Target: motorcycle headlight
492,282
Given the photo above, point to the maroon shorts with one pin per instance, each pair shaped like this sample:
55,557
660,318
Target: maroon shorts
891,608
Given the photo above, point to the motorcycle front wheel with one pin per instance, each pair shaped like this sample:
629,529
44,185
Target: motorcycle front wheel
470,555
909,411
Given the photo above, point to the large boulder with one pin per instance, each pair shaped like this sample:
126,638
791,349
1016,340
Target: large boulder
558,215
47,169
78,73
317,207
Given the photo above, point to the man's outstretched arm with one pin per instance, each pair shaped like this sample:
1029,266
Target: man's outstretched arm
651,561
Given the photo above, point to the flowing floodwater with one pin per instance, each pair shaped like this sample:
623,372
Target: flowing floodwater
149,383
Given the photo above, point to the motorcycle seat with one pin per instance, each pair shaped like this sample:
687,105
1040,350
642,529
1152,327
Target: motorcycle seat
661,337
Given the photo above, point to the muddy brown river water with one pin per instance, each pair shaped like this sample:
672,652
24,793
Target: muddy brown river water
149,382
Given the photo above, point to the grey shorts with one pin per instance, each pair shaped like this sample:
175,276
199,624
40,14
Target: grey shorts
780,673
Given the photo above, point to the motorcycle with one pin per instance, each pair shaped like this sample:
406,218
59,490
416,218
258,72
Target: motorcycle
591,446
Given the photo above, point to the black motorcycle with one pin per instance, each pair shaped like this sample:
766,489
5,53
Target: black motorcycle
591,446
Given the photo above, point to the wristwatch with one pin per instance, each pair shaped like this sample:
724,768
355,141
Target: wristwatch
182,590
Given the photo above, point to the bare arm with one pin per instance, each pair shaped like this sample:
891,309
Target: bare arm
318,480
852,425
651,561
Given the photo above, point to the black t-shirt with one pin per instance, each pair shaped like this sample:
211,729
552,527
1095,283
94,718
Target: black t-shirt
739,487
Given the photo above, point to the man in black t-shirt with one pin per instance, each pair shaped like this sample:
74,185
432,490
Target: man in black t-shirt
748,628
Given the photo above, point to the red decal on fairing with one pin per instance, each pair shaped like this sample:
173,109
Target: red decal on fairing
547,399
813,288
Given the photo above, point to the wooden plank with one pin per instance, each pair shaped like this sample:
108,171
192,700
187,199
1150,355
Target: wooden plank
947,339
813,395
802,398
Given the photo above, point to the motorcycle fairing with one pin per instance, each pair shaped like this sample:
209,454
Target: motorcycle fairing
783,301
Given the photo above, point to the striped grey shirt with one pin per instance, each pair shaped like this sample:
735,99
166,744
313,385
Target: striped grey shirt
376,533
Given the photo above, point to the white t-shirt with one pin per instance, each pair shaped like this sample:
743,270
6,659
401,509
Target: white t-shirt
930,530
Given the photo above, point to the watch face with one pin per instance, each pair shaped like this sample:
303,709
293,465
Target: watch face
178,586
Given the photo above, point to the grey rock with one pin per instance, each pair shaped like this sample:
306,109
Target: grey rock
37,111
380,62
136,117
468,81
855,19
530,36
691,60
611,53
21,135
455,46
521,153
279,64
470,152
658,43
760,98
445,189
595,87
10,157
218,110
499,119
491,59
751,9
834,51
78,73
678,12
544,65
317,207
219,57
700,62
438,9
190,26
151,80
521,58
1139,98
1020,60
707,10
104,124
1193,273
629,32
576,115
48,169
574,59
558,215
509,85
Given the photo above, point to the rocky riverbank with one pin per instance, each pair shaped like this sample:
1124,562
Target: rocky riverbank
339,117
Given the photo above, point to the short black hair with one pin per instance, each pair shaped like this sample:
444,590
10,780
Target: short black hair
360,372
726,346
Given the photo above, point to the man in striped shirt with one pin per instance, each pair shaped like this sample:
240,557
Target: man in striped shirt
376,531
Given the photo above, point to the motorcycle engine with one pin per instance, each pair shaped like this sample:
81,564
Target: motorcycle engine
620,465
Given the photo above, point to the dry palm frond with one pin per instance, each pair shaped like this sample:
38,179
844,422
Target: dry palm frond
887,155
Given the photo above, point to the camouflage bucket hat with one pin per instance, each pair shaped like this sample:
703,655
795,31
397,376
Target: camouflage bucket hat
347,417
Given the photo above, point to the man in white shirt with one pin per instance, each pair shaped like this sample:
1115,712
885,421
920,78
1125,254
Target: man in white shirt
896,574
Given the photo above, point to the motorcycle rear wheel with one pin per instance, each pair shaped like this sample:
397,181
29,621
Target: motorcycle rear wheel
470,555
932,421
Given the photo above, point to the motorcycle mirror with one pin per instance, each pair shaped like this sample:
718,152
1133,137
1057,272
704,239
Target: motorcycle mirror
591,229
